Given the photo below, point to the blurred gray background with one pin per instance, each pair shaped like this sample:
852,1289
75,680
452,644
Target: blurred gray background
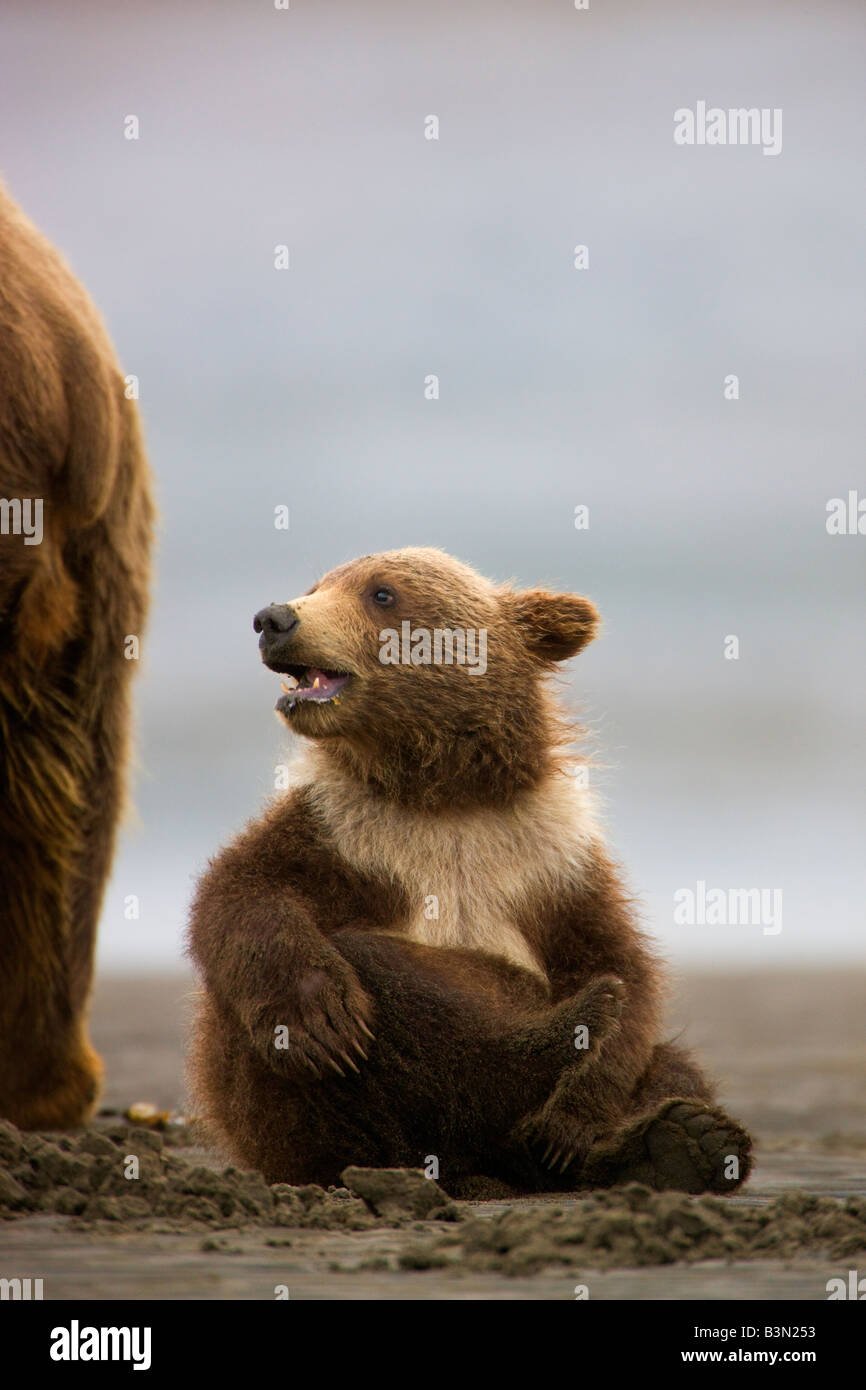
559,387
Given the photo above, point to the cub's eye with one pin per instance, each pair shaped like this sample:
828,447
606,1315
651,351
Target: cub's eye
384,597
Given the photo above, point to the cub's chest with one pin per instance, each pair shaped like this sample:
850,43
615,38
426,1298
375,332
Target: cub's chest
463,891
468,879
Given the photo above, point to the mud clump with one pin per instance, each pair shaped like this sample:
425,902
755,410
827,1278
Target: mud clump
634,1226
127,1175
397,1192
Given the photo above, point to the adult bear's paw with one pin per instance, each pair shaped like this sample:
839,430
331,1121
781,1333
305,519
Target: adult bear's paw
69,1095
321,1024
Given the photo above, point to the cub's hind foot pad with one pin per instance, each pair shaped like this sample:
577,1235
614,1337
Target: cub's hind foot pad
683,1146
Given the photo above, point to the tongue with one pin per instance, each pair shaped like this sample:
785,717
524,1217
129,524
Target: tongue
318,685
315,685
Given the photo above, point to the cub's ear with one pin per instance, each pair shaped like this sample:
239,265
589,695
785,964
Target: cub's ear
554,626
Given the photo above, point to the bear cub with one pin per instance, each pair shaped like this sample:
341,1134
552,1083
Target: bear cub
422,949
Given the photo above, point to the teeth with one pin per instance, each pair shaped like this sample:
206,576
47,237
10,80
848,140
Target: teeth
288,688
316,683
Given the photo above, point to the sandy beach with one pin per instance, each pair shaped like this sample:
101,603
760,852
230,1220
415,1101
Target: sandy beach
788,1051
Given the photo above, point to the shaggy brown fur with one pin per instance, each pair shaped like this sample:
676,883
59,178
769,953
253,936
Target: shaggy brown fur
68,437
396,957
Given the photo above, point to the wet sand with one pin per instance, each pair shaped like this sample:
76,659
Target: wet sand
789,1051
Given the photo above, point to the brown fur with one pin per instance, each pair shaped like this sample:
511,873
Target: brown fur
426,783
69,437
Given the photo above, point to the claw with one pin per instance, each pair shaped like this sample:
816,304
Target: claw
567,1162
547,1152
349,1063
364,1029
337,1069
556,1157
358,1048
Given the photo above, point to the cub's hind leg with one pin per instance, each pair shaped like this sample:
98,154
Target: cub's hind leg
677,1137
464,1045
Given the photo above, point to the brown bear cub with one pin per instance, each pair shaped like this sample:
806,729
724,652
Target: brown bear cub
422,950
75,530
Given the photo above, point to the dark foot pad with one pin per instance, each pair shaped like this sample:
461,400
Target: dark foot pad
683,1146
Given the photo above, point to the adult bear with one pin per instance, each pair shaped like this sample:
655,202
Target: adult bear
76,520
423,947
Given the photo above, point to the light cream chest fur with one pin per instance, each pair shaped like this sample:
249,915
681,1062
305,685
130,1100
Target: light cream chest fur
466,876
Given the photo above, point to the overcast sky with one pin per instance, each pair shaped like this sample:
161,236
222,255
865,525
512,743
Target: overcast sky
558,387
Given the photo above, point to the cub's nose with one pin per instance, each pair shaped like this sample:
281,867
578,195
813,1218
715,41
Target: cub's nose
276,623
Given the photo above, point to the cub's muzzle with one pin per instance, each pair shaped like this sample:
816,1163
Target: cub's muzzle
277,624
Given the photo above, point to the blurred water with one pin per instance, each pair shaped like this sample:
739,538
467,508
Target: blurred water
558,387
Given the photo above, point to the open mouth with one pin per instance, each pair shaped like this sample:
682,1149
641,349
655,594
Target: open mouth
310,685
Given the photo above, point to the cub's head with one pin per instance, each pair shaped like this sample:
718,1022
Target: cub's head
414,664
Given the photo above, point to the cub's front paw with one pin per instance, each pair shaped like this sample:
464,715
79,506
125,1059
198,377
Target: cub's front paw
322,1024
